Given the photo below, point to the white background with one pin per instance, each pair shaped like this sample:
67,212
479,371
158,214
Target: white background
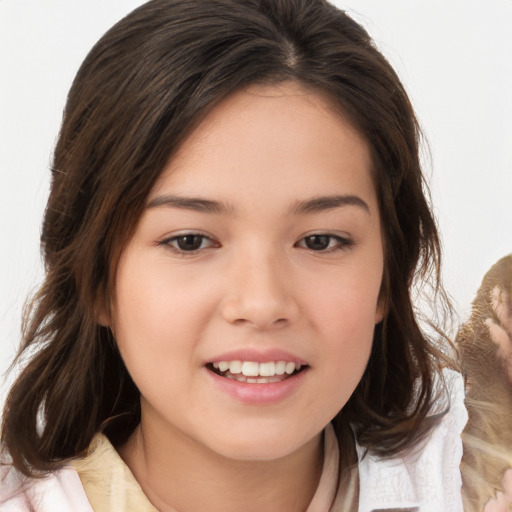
454,56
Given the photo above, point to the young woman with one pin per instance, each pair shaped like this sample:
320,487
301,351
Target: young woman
236,218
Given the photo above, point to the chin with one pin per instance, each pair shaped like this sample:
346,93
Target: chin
262,445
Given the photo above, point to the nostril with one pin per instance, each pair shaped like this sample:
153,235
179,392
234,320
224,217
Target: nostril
263,306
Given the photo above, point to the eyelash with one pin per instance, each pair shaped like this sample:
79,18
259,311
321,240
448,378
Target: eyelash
168,242
341,243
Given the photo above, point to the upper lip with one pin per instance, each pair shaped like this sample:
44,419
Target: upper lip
258,356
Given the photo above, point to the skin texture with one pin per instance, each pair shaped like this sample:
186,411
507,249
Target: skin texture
253,284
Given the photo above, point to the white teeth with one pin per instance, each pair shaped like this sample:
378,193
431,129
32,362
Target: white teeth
280,367
253,380
245,369
267,369
223,366
290,368
235,366
250,369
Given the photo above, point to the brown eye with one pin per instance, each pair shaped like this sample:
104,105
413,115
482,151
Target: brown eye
318,242
188,242
321,242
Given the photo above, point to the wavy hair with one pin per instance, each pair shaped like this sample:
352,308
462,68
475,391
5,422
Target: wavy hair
141,90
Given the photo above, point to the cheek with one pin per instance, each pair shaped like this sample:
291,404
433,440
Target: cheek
151,323
345,315
156,302
349,331
348,336
347,306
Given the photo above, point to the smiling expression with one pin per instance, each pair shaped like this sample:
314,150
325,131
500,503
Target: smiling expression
246,300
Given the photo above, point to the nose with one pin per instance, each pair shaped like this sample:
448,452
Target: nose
260,293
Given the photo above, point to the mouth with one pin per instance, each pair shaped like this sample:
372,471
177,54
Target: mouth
252,372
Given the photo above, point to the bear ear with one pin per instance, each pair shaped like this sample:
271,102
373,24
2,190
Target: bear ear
500,326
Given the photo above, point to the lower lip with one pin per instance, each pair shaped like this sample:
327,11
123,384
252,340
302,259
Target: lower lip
259,394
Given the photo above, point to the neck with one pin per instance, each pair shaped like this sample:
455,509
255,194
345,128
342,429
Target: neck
179,475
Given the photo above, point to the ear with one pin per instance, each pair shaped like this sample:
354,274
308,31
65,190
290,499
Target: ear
103,319
101,310
382,307
380,311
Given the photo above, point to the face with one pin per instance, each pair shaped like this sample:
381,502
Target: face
246,300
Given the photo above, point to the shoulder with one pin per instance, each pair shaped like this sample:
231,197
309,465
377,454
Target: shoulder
107,480
58,491
427,477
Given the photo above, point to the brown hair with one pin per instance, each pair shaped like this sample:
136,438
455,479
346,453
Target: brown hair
140,91
488,436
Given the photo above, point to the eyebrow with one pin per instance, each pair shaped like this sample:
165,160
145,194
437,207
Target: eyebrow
192,203
314,205
323,203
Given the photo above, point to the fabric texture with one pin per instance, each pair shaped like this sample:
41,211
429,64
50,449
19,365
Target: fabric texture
61,491
111,487
101,482
426,479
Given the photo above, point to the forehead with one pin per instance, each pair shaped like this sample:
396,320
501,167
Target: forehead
286,139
